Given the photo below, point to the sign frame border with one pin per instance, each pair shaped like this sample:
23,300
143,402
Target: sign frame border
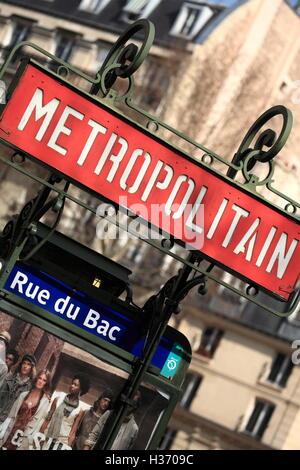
104,104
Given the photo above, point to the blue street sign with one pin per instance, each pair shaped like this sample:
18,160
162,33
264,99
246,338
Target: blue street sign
89,314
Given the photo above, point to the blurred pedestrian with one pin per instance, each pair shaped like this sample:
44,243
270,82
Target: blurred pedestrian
127,433
87,420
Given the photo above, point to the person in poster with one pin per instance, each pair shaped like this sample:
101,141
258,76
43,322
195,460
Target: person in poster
12,358
63,359
13,385
27,414
65,408
86,421
127,433
4,342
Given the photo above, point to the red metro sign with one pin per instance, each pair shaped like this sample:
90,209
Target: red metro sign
106,153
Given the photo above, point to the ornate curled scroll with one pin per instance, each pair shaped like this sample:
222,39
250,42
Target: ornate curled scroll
123,60
22,226
250,155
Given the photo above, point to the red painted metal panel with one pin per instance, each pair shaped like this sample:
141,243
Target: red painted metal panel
113,157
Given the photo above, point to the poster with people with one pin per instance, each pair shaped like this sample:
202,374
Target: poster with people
55,396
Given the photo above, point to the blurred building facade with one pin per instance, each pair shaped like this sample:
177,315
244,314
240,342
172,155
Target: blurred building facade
214,68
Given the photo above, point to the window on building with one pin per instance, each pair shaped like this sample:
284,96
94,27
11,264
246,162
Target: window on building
281,370
93,6
191,18
20,32
259,419
65,42
210,340
135,9
190,388
21,28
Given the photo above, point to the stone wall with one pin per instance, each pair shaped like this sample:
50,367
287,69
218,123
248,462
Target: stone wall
249,64
29,339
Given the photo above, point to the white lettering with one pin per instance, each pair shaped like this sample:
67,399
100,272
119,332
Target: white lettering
61,304
91,319
43,296
116,159
103,328
141,174
32,294
36,440
266,246
105,229
96,129
106,153
47,444
217,218
191,185
135,155
279,253
160,184
36,104
17,438
197,206
185,200
62,129
111,332
20,280
240,212
69,312
240,248
157,216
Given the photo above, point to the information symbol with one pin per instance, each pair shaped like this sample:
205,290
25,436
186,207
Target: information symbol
172,364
